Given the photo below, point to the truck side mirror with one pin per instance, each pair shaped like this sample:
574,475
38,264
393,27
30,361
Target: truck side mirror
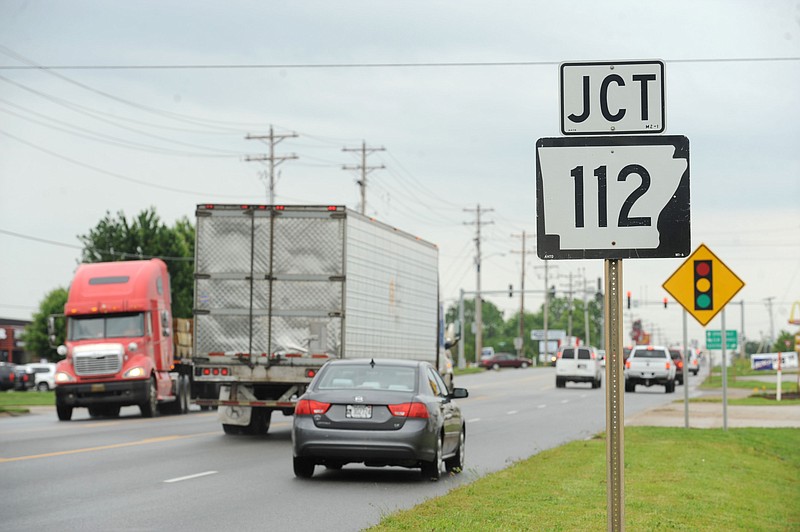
165,322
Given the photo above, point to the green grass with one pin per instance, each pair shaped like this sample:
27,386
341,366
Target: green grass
16,402
467,371
695,479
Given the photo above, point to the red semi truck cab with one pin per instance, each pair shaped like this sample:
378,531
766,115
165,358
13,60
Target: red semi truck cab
119,349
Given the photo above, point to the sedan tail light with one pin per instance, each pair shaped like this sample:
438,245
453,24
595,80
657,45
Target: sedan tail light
409,410
308,407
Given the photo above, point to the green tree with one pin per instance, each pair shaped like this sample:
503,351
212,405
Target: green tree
142,237
35,335
785,342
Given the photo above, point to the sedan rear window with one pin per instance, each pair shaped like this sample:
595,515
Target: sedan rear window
366,377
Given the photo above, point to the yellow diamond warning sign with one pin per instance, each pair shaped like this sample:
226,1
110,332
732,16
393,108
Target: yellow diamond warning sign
703,285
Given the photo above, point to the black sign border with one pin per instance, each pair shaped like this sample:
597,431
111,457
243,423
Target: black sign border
674,223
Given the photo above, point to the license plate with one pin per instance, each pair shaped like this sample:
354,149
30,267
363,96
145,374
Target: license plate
359,411
98,387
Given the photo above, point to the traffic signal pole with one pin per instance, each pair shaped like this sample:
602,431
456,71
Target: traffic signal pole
615,411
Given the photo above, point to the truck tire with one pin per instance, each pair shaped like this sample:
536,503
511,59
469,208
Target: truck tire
259,421
64,412
630,387
150,405
186,387
232,430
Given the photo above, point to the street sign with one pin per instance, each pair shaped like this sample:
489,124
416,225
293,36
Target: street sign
703,284
552,334
714,339
612,197
605,98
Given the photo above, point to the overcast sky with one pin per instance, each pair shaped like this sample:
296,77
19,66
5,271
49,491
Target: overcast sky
463,91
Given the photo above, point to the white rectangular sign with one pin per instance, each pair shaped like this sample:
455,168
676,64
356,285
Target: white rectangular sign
606,98
612,197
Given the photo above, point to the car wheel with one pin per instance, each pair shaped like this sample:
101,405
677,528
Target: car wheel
64,412
303,467
524,365
456,463
42,387
150,404
433,470
495,366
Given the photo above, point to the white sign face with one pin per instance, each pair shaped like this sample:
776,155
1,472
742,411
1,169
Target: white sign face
612,197
607,98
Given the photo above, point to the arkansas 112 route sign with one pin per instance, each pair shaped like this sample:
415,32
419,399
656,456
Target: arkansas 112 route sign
612,197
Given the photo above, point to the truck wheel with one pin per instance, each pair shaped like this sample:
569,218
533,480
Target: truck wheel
232,430
186,388
560,382
630,387
259,421
150,404
303,467
64,412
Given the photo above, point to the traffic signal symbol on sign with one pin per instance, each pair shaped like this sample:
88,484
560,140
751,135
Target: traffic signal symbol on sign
703,285
703,295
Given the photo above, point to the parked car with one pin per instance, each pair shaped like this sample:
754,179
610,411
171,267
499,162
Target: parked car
649,365
380,413
8,376
44,375
505,360
578,364
24,379
677,358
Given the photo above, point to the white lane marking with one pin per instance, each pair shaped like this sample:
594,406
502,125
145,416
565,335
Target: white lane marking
564,401
542,406
190,477
473,420
512,412
583,396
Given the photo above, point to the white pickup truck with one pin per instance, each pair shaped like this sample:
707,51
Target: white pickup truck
649,365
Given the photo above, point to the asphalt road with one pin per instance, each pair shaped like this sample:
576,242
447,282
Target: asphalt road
183,473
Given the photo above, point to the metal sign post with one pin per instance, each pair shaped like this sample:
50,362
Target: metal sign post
724,375
615,406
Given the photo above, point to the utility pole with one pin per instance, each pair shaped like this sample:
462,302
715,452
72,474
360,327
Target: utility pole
274,160
478,303
771,321
520,350
364,170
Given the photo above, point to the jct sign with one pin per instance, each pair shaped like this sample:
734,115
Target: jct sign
606,98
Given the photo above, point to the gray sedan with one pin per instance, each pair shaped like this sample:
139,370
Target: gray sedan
379,413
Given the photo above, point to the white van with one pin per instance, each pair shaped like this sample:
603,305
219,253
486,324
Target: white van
44,375
578,364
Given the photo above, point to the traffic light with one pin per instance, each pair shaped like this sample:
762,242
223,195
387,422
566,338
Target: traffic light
665,302
703,299
629,299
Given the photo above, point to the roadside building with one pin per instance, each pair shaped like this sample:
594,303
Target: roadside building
12,348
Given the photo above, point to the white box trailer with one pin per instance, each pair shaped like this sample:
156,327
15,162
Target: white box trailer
279,290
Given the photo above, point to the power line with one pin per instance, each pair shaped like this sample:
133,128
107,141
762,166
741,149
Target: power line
111,252
430,64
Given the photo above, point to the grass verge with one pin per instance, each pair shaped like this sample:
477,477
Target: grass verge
695,479
17,402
